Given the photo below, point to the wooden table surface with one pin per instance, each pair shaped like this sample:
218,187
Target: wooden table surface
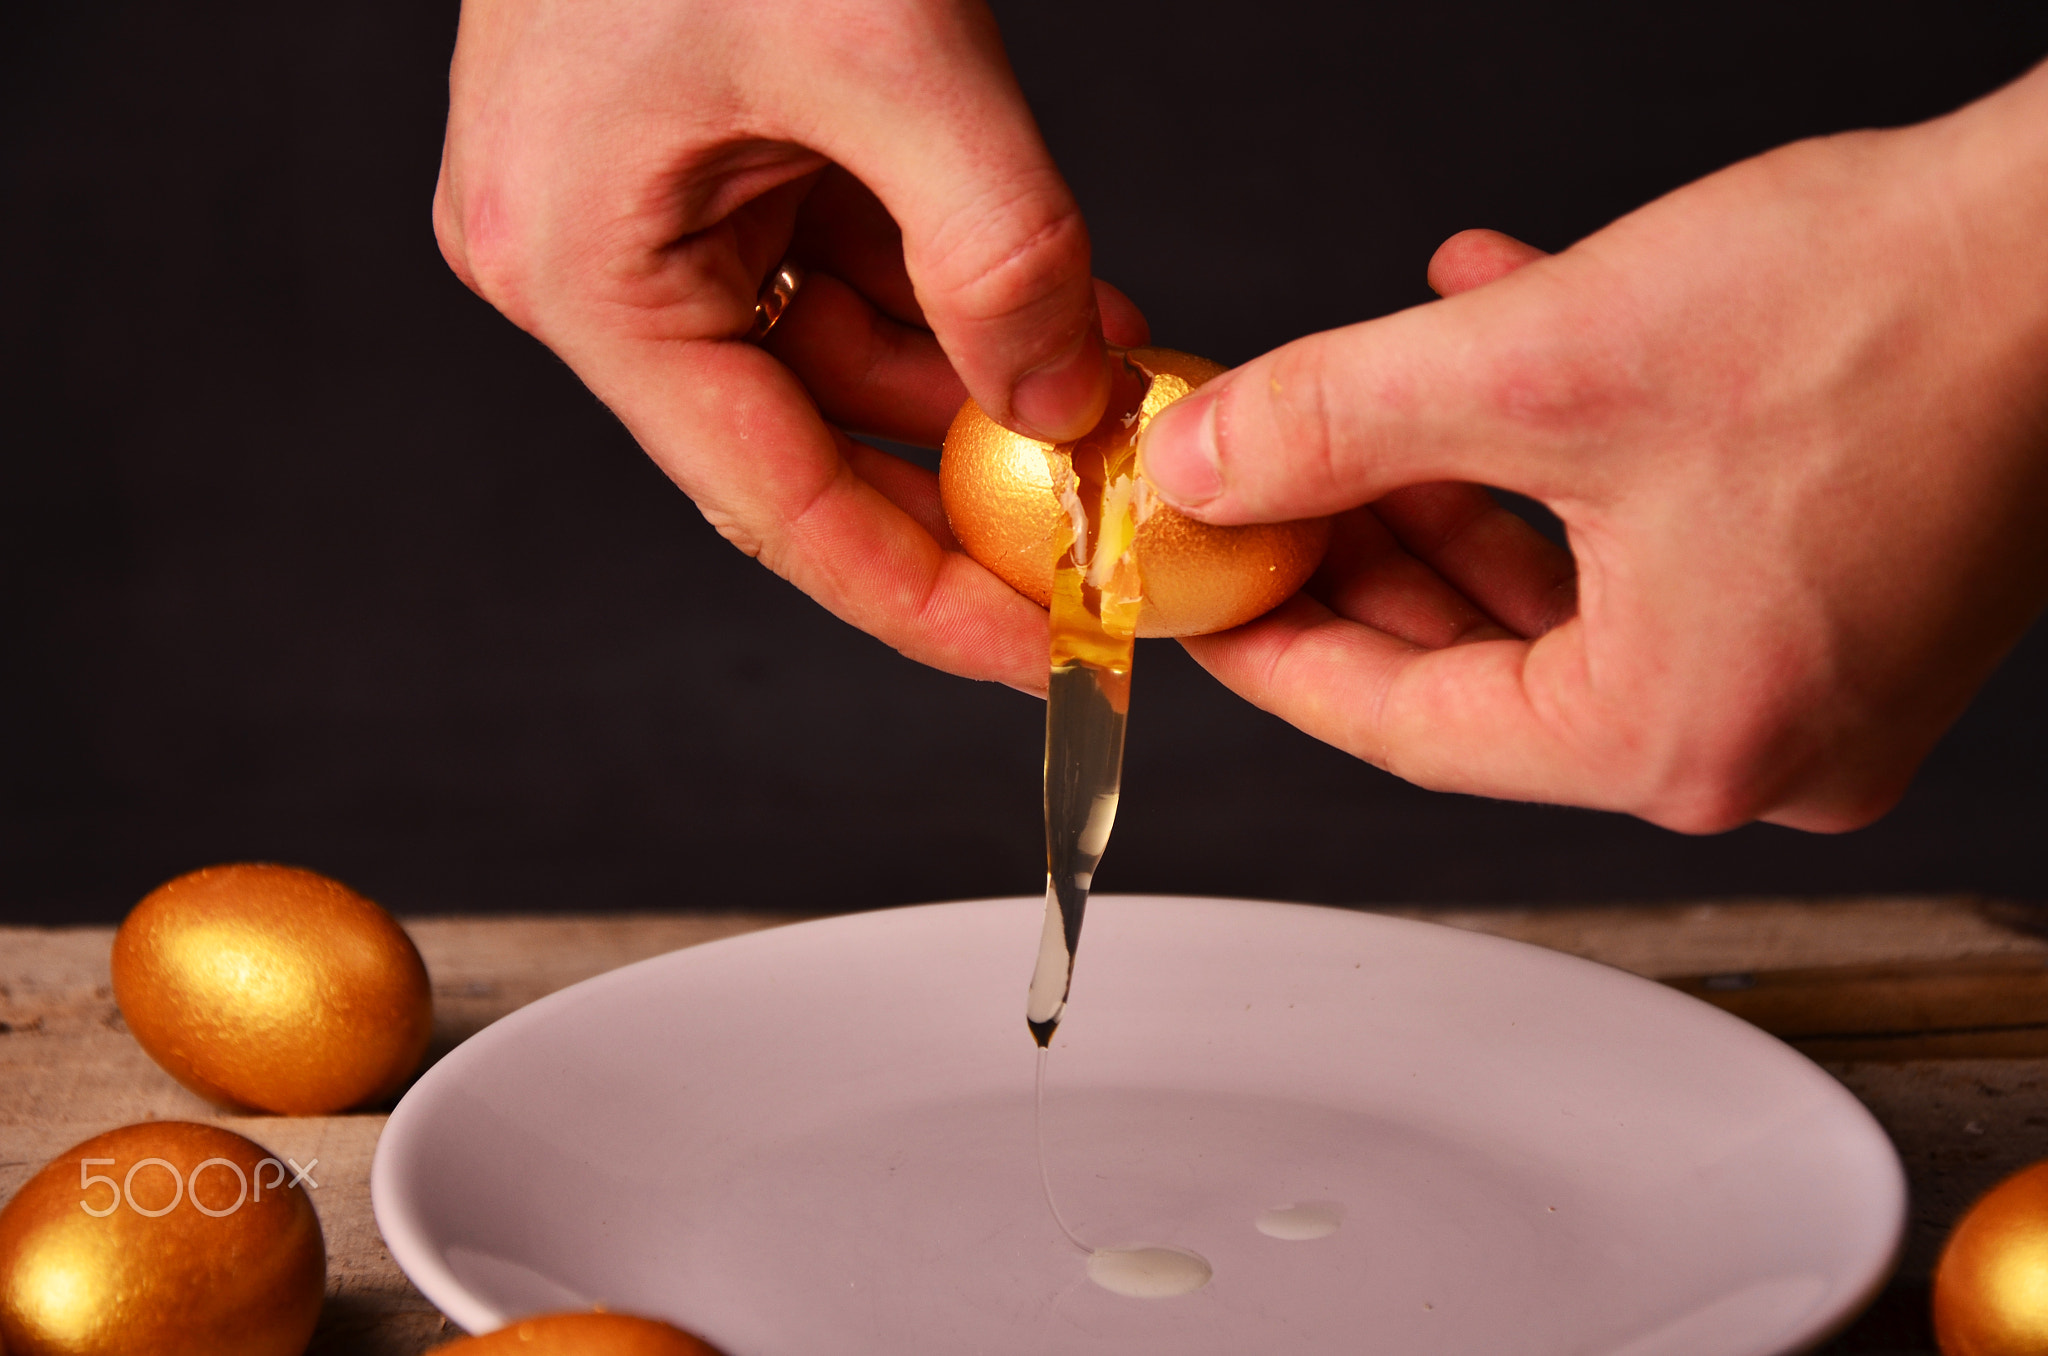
1933,1011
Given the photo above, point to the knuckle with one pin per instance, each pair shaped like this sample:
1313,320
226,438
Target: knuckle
1008,254
1859,809
1298,406
1701,811
1850,794
1726,779
480,245
495,274
903,39
1556,385
448,235
916,49
1699,770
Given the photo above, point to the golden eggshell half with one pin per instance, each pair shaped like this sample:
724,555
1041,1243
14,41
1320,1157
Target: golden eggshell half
273,988
1000,498
168,1238
1991,1286
581,1335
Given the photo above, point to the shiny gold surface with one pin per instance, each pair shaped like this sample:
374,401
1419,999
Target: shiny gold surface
775,296
1991,1287
581,1335
273,988
198,1275
1001,494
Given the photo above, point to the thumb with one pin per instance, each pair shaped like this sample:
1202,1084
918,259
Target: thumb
1444,391
992,237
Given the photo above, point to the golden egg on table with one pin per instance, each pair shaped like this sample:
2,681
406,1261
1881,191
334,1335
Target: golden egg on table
1991,1286
166,1238
1001,493
581,1335
273,988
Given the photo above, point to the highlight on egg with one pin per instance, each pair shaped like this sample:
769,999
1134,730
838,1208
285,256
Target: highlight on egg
1989,1293
167,1237
1002,496
597,1334
273,988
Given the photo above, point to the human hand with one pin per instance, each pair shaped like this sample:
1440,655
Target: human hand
620,175
1795,420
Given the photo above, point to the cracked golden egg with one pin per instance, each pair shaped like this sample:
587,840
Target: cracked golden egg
581,1335
273,988
168,1238
1005,498
1991,1286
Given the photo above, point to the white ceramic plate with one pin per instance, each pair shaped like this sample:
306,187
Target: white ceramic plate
816,1141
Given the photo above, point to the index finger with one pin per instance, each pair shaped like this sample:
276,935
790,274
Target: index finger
736,432
1484,717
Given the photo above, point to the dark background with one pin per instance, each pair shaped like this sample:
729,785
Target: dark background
308,556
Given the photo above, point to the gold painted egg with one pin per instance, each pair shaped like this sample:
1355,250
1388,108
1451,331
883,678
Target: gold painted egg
274,988
581,1335
167,1238
1000,494
1991,1286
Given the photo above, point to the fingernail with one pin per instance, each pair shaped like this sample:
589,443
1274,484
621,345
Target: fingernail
1177,451
1063,398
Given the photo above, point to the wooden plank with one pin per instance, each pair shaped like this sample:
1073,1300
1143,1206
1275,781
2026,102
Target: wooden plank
1981,1007
1904,980
1665,941
69,1070
1960,1127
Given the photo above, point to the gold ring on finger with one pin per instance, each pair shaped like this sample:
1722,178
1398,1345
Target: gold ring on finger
774,298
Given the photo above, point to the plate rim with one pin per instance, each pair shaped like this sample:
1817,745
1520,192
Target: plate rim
406,1235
